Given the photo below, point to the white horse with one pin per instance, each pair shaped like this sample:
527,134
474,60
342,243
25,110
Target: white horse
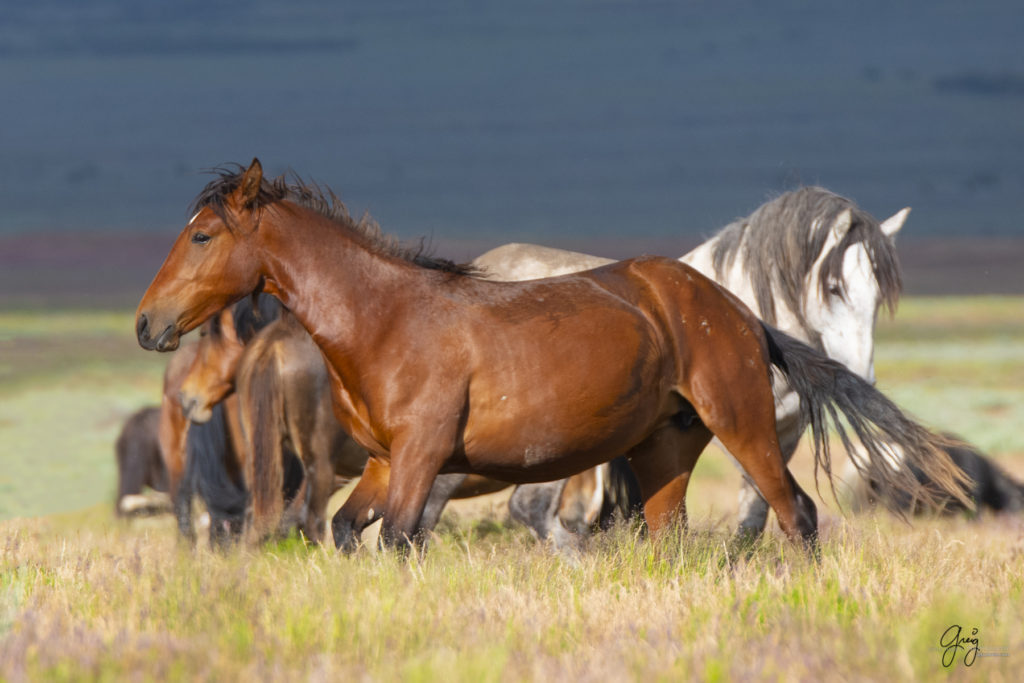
810,263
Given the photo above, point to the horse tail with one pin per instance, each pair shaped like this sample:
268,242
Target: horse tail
264,414
894,444
207,448
622,497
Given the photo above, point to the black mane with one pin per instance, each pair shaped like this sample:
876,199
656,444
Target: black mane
323,201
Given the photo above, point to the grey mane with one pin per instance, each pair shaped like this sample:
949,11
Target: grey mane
780,242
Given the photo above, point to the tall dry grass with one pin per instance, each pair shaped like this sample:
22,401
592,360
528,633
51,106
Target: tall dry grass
488,603
85,597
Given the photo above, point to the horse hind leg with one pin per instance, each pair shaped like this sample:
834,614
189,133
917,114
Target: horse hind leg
744,421
758,453
663,463
753,508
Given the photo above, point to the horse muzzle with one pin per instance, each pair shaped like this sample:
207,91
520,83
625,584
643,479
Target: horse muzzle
167,340
194,409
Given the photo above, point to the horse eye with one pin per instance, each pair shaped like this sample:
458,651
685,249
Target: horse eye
200,238
835,290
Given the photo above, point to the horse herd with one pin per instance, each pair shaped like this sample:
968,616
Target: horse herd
328,352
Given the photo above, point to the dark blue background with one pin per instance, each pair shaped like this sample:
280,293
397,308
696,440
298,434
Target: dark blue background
558,122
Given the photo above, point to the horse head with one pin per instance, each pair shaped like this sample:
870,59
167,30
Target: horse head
855,273
211,265
211,377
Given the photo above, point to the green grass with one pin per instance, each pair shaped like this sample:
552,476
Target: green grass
67,382
958,364
85,597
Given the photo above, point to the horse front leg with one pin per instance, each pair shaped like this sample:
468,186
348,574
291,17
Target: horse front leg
414,467
364,506
171,434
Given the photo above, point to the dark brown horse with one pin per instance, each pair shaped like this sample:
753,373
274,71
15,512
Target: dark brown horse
140,464
433,370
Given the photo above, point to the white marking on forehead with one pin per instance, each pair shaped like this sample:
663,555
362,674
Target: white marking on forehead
193,219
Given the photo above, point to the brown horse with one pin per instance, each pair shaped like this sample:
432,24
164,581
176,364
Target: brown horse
140,465
283,394
285,419
434,370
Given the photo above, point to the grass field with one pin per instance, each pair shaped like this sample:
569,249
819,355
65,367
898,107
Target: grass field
83,596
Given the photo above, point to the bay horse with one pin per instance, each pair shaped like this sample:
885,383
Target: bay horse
281,386
810,262
434,370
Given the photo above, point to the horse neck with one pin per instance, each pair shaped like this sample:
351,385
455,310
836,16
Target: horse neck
323,272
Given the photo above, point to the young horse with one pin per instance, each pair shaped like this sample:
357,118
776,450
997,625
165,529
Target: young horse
810,262
140,464
173,438
200,458
433,370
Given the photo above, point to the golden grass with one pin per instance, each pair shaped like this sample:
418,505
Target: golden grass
110,601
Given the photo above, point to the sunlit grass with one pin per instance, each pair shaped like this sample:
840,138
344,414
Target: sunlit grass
123,602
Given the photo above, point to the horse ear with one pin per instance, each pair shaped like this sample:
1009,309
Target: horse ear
891,225
252,180
842,224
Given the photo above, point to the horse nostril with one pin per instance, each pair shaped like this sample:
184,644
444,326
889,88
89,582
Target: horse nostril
142,328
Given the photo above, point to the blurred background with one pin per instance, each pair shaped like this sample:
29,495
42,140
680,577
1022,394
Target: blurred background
615,128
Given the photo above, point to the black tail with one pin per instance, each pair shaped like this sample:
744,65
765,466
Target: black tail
828,391
993,487
622,498
207,450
